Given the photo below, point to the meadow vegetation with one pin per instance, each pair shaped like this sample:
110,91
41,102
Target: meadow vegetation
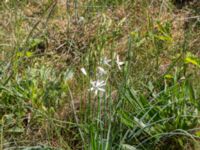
99,74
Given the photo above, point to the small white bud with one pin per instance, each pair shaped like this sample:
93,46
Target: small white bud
84,71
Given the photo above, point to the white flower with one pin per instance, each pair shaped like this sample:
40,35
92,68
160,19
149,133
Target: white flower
106,61
101,71
84,71
119,63
97,86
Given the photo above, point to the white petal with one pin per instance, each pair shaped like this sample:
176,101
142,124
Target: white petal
84,71
97,83
121,63
96,92
117,58
93,83
101,89
106,61
119,67
103,83
107,64
101,70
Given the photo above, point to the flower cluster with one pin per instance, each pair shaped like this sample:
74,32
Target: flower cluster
99,84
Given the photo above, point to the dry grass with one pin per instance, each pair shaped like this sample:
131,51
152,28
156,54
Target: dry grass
60,37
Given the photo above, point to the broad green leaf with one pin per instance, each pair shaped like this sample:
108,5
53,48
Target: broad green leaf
191,60
168,76
29,54
197,133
